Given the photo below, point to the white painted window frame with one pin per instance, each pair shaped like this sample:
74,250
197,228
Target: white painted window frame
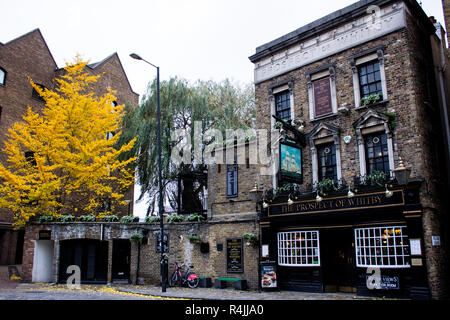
366,248
290,249
314,142
363,130
355,63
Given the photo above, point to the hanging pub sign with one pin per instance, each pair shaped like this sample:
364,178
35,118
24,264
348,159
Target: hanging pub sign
235,262
290,162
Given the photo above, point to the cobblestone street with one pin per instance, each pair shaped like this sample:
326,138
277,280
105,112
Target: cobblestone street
22,291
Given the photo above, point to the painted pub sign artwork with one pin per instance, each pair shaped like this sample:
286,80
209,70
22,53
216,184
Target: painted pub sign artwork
290,162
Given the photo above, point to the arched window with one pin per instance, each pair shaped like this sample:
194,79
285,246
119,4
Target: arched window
375,146
36,95
324,141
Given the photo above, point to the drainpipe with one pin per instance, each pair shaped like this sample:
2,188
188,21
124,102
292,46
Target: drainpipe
441,70
138,262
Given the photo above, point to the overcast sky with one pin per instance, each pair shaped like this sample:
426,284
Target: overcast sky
192,39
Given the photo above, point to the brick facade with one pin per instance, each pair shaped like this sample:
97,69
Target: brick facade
29,57
211,264
411,95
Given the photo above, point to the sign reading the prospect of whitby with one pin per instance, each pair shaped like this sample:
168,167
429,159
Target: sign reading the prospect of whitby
342,203
235,261
290,163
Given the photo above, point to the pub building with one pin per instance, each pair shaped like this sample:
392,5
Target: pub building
358,201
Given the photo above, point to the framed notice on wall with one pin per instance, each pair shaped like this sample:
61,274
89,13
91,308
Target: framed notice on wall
322,97
235,255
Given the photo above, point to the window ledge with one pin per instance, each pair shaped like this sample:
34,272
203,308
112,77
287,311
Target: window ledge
324,117
376,104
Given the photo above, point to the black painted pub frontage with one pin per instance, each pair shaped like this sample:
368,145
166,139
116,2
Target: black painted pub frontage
369,243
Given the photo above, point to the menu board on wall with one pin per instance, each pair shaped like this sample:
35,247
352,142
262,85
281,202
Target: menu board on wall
235,261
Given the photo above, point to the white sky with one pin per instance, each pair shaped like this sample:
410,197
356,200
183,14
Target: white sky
192,39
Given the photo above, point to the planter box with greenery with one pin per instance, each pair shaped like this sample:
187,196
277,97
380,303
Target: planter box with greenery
110,218
327,186
195,238
136,238
195,217
127,219
175,218
66,218
371,99
250,238
46,218
152,219
376,179
87,218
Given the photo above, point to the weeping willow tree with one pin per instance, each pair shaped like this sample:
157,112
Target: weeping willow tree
220,105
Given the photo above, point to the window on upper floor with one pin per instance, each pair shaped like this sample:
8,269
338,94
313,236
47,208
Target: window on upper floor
2,76
377,156
325,153
232,180
36,95
375,145
326,156
283,105
281,101
370,79
29,156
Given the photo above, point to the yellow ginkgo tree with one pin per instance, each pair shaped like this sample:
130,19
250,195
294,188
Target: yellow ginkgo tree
64,159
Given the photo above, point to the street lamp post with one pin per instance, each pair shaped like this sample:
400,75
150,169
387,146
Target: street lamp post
160,202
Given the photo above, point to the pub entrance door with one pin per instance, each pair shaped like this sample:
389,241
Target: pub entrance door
337,259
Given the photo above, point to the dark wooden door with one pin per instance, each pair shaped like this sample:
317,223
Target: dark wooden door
337,256
121,260
90,255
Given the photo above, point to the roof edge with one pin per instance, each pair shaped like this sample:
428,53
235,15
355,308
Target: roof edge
327,22
43,39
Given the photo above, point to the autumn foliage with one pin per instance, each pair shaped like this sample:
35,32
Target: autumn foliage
65,159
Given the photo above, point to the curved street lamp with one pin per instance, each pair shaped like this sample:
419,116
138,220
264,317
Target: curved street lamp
160,202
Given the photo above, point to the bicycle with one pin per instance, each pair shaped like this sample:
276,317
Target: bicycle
191,279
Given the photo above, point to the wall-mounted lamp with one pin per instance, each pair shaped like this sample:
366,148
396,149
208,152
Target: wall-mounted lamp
350,194
388,192
402,173
318,197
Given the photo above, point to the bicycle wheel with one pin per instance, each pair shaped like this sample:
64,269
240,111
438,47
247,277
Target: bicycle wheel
193,283
173,279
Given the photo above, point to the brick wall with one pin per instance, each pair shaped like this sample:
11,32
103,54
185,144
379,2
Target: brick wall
212,264
29,56
19,59
181,250
411,92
